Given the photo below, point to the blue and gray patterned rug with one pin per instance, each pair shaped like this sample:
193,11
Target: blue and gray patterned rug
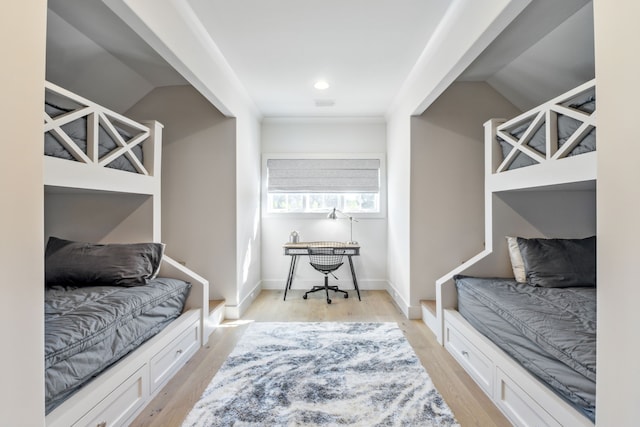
321,374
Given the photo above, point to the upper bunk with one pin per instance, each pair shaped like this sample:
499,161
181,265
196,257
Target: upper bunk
90,147
553,144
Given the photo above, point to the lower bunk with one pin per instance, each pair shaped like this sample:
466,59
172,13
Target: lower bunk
531,349
157,327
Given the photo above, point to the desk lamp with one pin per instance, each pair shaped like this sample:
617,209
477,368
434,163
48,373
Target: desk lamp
334,215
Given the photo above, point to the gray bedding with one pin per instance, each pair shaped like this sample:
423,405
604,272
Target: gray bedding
77,131
550,331
89,328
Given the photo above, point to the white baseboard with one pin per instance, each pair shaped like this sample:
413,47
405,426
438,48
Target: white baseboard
414,312
234,312
430,320
364,285
215,318
410,312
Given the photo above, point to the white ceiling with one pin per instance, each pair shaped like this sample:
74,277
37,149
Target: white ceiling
365,49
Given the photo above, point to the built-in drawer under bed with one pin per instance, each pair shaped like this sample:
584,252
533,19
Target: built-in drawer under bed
89,328
550,331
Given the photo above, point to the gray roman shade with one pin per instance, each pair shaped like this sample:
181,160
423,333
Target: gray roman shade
323,175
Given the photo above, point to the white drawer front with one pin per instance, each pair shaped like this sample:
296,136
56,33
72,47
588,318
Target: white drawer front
518,406
171,358
118,407
475,362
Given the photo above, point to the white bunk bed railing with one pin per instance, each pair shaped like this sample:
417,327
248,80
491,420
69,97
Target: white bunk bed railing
529,124
124,132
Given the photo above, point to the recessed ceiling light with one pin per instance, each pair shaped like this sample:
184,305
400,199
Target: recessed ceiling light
321,85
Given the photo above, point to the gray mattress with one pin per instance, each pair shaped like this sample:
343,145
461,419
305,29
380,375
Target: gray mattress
550,331
77,131
87,329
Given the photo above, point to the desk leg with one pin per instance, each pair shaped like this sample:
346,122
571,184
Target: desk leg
292,269
353,275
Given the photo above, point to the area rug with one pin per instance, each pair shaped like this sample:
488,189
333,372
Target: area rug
321,374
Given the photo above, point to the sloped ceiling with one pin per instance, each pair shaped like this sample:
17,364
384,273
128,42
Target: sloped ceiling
560,61
548,49
90,51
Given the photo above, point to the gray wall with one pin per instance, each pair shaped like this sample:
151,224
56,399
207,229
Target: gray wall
447,177
566,213
198,184
98,216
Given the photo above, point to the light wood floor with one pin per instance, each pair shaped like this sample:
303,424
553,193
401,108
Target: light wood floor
469,404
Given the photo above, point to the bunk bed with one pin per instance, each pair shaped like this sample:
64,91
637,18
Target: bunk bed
519,321
144,319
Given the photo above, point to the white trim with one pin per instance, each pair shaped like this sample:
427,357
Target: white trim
232,312
323,120
410,311
235,312
429,319
414,312
347,285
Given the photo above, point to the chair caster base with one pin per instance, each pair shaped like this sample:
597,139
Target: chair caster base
325,288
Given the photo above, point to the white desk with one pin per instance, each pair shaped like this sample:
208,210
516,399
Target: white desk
295,250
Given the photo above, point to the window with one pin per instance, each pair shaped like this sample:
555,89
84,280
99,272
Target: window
308,185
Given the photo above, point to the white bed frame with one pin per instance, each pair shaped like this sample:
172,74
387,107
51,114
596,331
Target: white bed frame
118,395
523,399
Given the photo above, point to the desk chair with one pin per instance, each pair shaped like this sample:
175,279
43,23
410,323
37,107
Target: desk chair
326,262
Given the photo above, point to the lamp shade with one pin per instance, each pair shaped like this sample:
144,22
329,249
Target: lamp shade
334,215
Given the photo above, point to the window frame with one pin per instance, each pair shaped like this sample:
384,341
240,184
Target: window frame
382,195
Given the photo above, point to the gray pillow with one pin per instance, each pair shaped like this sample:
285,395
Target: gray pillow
81,264
559,263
